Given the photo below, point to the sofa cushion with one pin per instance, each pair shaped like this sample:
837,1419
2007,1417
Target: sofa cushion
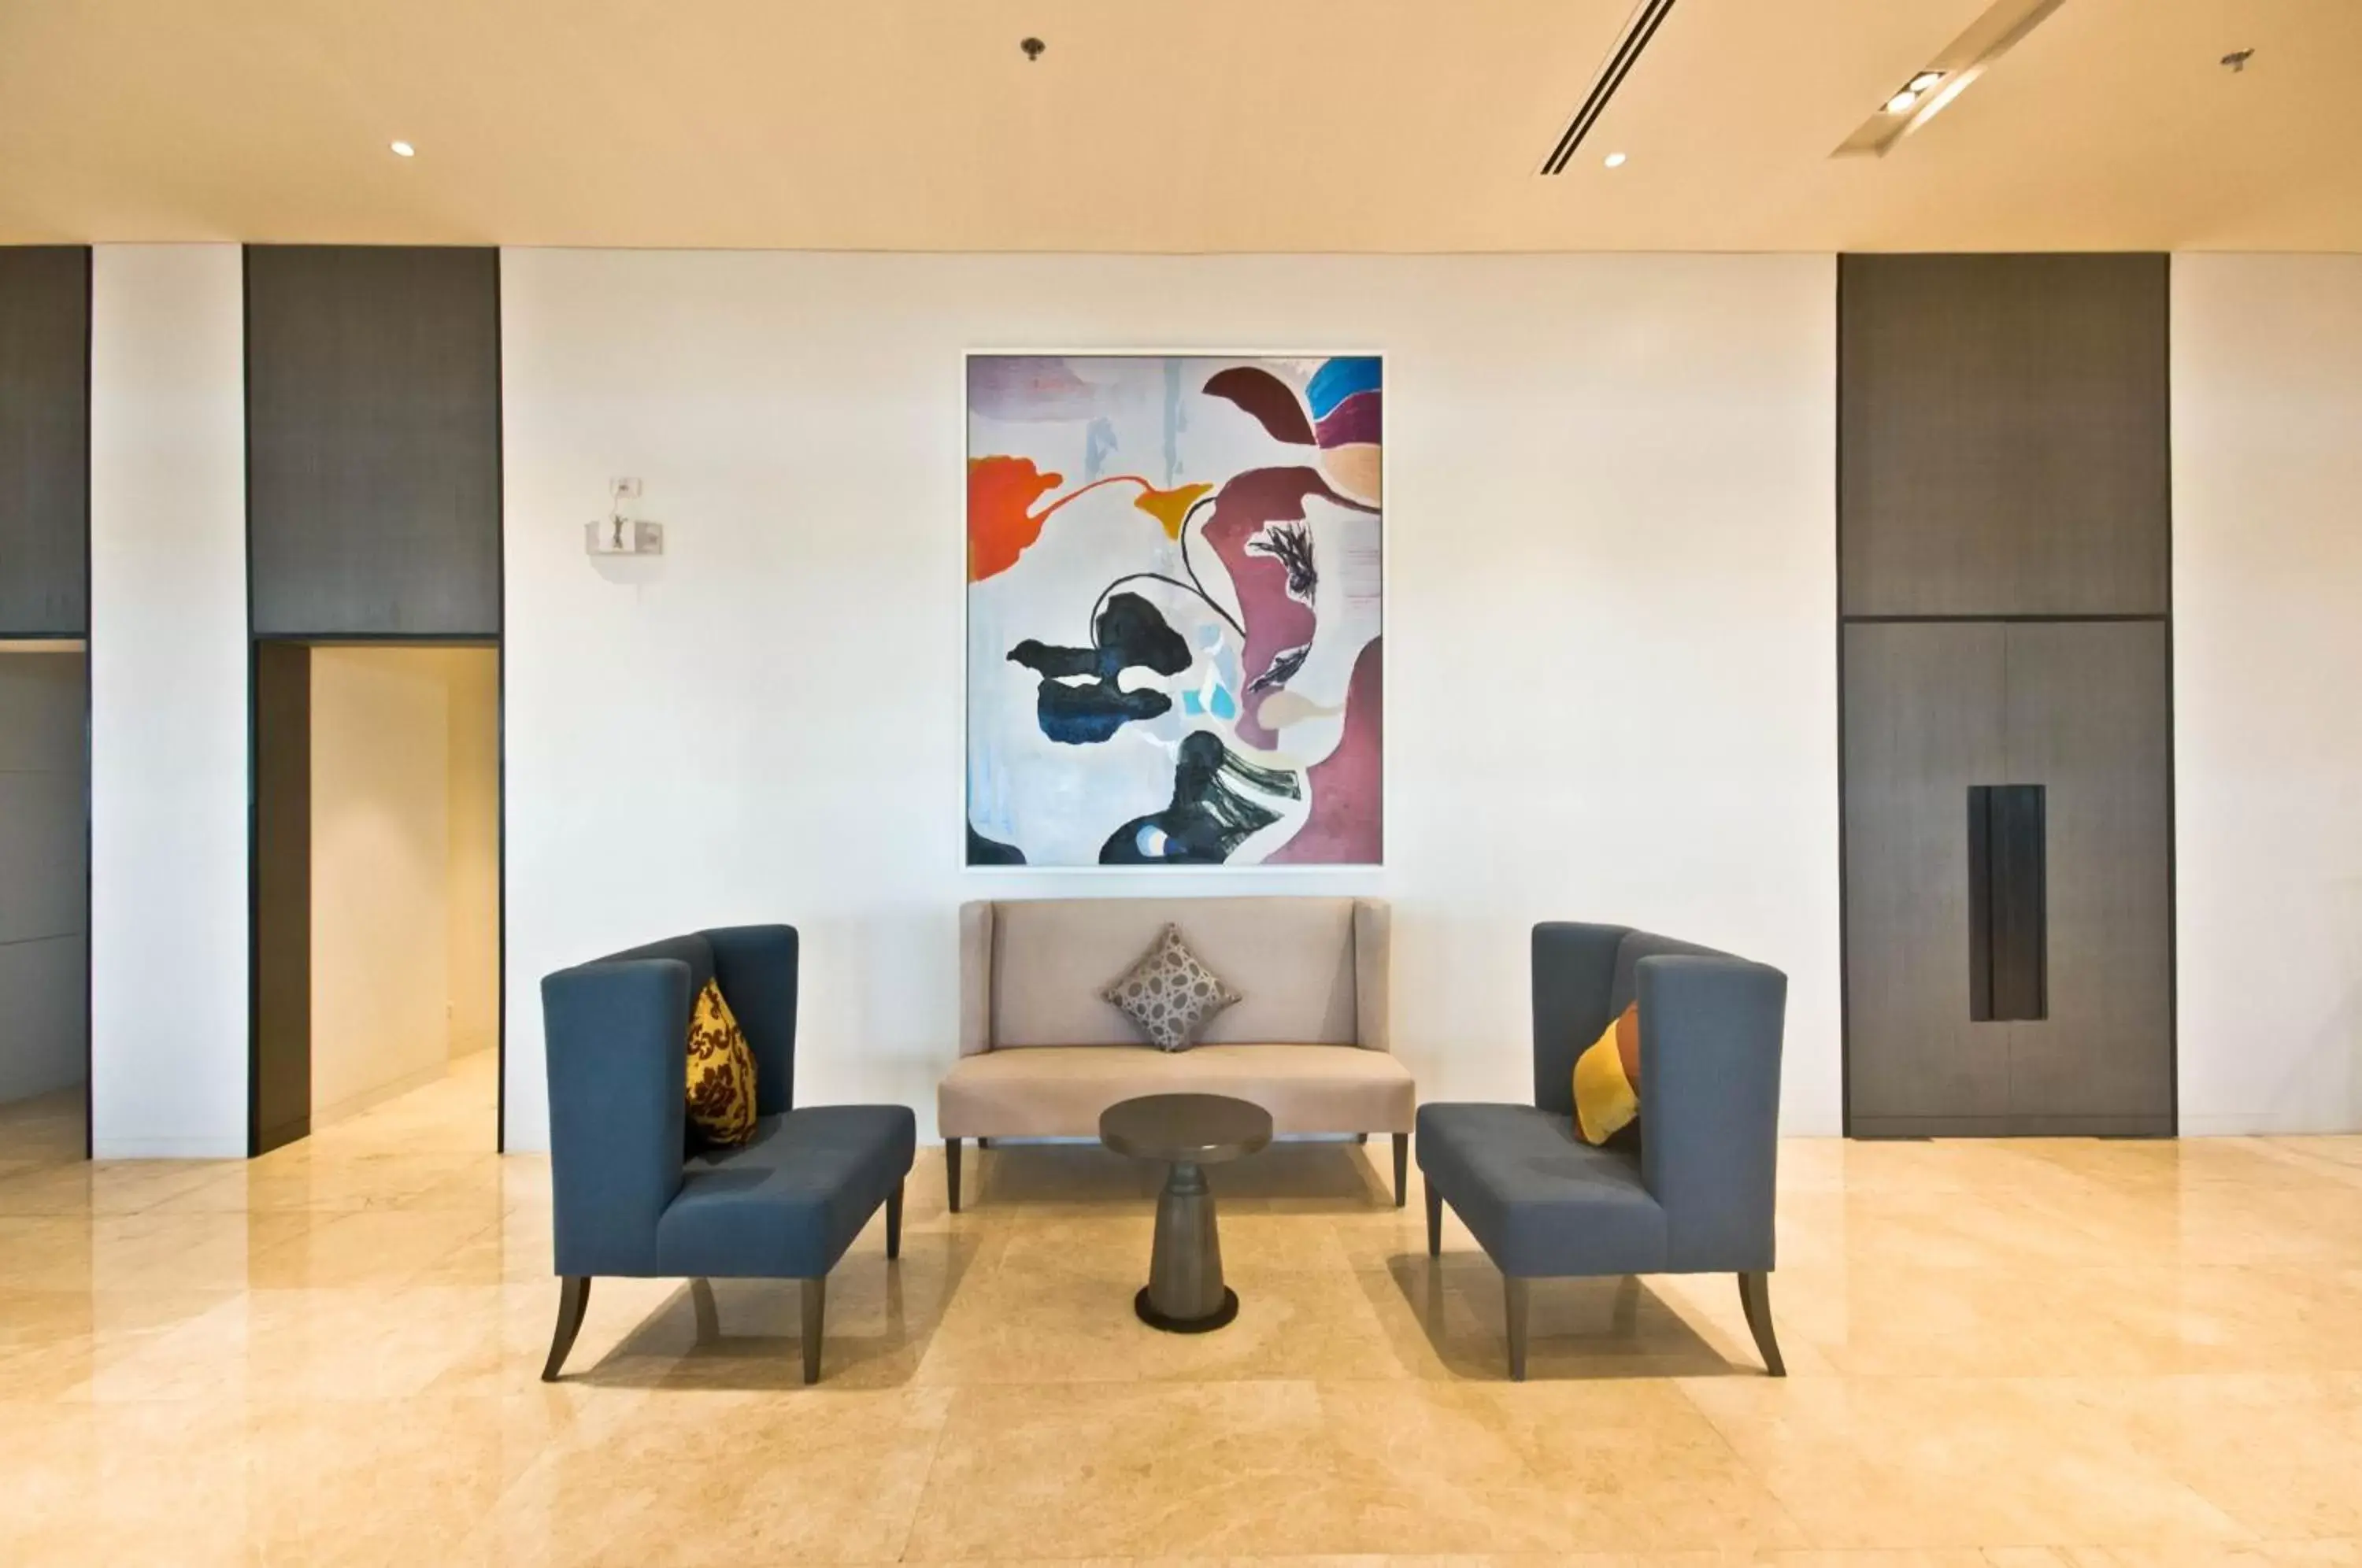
1538,1199
721,1073
1058,1091
1169,994
788,1203
1607,1078
1292,959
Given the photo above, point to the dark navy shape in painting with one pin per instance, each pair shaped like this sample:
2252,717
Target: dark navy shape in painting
1209,819
1130,633
983,851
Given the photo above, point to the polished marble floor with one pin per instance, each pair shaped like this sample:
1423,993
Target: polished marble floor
2000,1353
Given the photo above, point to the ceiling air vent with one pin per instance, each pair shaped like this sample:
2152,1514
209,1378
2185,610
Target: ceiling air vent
1647,17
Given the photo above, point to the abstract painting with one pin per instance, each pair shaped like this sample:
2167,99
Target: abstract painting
1174,610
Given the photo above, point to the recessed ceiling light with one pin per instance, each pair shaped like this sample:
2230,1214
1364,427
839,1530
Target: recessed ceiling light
1928,90
404,150
1614,160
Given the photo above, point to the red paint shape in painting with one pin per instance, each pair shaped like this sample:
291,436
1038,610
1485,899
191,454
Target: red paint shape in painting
1347,826
1001,522
1274,622
1353,422
1271,401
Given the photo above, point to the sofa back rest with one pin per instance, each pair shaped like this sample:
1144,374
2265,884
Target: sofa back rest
1622,989
1292,959
616,1036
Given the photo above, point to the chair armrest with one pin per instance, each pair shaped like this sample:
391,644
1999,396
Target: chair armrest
1710,1039
1374,926
617,1033
975,979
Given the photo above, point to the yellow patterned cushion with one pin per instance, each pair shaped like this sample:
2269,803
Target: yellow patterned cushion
720,1072
1608,1079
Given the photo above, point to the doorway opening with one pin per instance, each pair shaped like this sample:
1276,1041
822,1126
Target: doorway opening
377,887
44,903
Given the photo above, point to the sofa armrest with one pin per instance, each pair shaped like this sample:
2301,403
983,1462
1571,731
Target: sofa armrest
1710,1040
616,1033
1374,926
975,979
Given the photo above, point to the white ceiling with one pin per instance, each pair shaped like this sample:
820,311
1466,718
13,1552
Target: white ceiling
1167,124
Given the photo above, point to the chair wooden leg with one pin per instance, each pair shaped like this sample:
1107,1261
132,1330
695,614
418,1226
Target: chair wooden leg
1514,1291
708,1315
950,1171
1755,1300
894,1223
1434,1221
815,1311
1627,1304
573,1296
1402,1169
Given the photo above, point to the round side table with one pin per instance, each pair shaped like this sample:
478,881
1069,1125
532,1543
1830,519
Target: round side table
1185,1294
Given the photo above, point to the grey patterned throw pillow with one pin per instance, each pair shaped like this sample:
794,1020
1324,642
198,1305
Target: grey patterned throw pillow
1170,993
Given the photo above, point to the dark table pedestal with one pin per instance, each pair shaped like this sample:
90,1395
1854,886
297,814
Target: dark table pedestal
1185,1294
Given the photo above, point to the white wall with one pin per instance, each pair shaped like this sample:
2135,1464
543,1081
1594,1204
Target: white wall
44,871
380,875
1611,688
2267,665
168,669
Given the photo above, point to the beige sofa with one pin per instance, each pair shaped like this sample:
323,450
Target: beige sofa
1040,1056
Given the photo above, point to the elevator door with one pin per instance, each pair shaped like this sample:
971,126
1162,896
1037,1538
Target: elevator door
2063,918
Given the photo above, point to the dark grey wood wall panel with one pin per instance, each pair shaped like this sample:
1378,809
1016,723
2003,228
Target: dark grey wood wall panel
2003,435
1925,711
279,1085
2090,716
373,437
44,440
2082,709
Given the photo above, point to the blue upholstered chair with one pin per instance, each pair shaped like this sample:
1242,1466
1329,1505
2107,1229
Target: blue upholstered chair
1694,1196
784,1206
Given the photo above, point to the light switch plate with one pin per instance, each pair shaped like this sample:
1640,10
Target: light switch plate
624,537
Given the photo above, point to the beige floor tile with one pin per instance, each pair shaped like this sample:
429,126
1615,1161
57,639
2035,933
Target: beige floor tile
85,1188
2281,1453
1447,1319
2043,1354
1955,1462
1077,1324
382,1247
1129,1469
822,1475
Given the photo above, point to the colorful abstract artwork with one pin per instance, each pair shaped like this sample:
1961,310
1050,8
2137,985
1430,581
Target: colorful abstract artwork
1174,610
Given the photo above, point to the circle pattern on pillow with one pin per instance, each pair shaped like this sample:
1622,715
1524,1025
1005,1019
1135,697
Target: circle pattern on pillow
1170,994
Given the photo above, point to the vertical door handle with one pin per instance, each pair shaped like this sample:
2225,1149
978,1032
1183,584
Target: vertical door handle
2009,902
